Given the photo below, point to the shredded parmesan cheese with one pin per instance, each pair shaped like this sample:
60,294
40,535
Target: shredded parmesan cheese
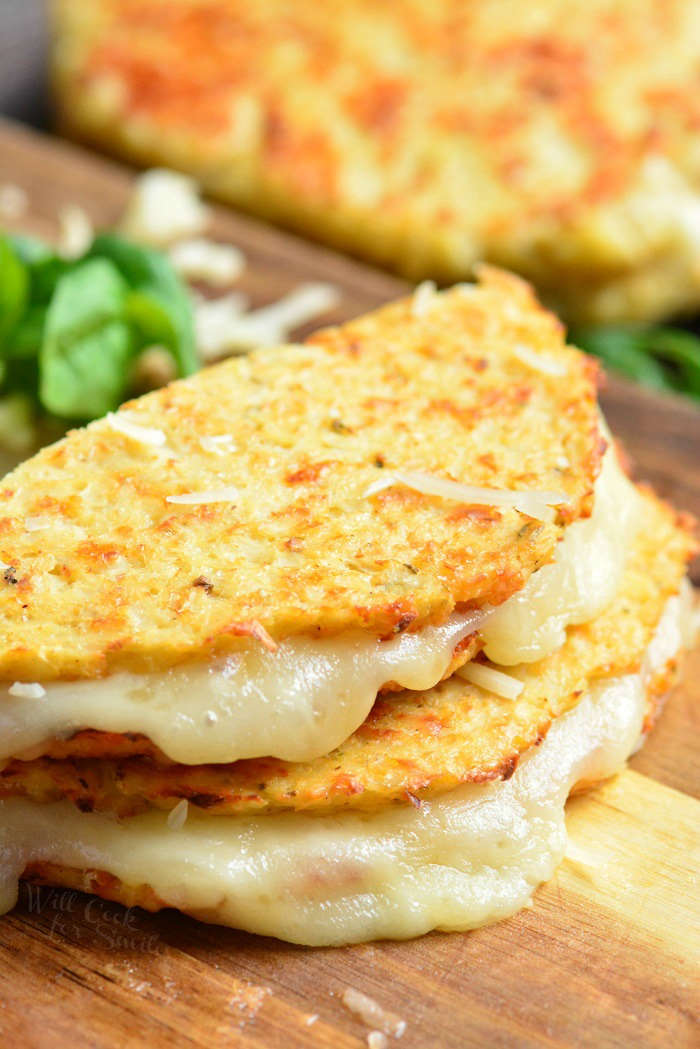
533,503
143,434
224,327
207,261
214,319
310,1020
299,306
37,524
178,815
371,1013
492,680
164,207
13,201
228,494
218,444
75,233
539,362
31,690
377,1040
423,298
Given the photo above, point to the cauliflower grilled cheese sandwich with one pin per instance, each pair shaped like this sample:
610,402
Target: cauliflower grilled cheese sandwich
336,681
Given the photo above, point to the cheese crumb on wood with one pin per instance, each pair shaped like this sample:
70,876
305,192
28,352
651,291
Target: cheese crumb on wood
377,1040
14,201
214,320
372,1013
208,261
225,326
76,231
164,207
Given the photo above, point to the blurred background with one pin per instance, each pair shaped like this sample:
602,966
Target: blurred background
23,55
652,346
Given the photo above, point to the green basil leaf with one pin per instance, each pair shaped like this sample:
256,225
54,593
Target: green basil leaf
152,319
29,249
45,274
621,350
160,307
88,345
679,348
14,288
21,375
45,268
28,334
660,357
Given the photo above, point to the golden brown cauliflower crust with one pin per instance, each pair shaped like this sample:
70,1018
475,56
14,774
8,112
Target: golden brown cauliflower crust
123,578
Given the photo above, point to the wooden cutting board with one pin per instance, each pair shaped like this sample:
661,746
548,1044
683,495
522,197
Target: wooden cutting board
608,955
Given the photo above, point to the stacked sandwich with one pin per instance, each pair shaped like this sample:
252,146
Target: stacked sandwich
317,642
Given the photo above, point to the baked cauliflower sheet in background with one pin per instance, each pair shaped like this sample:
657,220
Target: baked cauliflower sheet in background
558,139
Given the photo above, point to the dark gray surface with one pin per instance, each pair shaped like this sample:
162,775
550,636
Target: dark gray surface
23,36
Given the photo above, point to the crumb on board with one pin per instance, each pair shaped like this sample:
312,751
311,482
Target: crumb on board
200,259
377,1040
75,231
248,1000
164,206
14,202
372,1013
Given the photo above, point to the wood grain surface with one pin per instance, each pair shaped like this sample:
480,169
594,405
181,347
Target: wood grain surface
608,956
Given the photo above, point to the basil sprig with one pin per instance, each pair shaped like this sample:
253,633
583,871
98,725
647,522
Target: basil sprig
71,330
664,358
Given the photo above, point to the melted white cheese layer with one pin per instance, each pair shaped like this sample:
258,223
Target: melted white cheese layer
576,587
306,698
470,857
296,703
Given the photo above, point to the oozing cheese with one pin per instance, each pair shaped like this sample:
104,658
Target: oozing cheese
311,694
470,857
296,703
577,585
